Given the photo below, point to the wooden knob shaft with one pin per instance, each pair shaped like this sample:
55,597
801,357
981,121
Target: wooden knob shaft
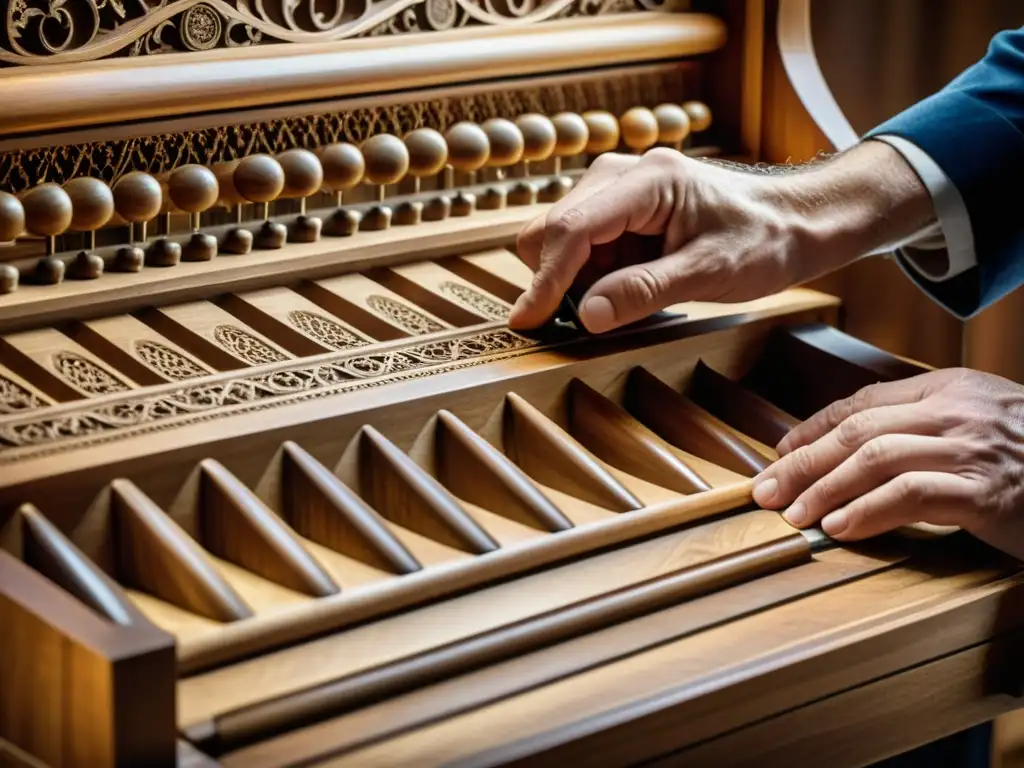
539,136
48,210
303,173
639,128
673,123
428,152
571,132
343,166
699,114
387,159
92,203
137,197
193,188
259,178
468,147
602,132
12,217
505,140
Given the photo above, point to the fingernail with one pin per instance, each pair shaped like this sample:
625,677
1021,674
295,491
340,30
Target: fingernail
598,314
835,523
796,514
765,491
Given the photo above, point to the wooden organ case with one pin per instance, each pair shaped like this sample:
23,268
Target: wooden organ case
279,487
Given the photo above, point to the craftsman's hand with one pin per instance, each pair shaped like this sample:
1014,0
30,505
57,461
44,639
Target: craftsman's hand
946,448
725,233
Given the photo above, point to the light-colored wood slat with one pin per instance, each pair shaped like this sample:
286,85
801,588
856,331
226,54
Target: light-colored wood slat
156,556
504,264
475,471
203,696
302,327
385,305
17,394
500,273
618,439
687,426
322,508
48,551
213,335
548,454
60,367
459,301
238,527
394,485
137,350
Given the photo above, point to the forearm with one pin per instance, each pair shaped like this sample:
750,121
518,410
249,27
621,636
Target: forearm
864,201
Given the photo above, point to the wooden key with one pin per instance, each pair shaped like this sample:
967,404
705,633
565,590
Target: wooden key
48,213
602,133
12,225
238,240
507,144
260,179
673,125
539,138
699,114
572,135
468,151
639,129
138,199
344,167
303,176
92,206
194,189
387,162
428,154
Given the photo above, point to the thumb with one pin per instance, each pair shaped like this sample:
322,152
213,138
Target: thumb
693,273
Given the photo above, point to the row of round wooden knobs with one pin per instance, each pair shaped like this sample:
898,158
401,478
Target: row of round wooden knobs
88,204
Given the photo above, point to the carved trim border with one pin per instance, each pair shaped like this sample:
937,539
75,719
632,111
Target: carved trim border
41,434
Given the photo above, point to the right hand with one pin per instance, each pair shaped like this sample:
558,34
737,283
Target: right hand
727,235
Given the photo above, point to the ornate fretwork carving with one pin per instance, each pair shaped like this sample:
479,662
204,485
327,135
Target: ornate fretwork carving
245,346
328,332
59,31
85,376
14,397
475,301
162,153
43,435
169,363
402,315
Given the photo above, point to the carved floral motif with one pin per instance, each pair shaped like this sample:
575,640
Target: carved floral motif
85,376
61,31
14,397
169,363
475,301
328,332
245,346
47,434
402,315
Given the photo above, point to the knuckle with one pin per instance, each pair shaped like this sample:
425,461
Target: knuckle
863,398
912,491
643,286
566,223
610,162
855,429
802,462
874,455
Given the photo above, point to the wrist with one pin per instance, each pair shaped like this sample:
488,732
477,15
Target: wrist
855,204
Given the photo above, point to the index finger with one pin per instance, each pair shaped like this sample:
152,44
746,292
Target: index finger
901,392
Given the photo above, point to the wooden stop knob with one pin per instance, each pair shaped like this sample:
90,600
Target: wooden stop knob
48,210
92,203
137,197
673,123
343,166
468,147
12,217
259,178
539,136
602,130
193,188
571,132
428,152
639,128
303,173
228,195
505,140
387,159
699,114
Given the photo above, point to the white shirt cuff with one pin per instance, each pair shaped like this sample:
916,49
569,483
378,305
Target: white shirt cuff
946,248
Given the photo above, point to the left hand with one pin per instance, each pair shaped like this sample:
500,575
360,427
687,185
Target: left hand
945,447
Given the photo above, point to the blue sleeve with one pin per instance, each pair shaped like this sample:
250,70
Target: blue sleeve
974,131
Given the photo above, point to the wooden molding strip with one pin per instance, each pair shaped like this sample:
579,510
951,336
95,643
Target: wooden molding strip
238,728
47,98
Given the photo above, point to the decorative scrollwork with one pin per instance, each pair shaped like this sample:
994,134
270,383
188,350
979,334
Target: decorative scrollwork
41,434
169,363
62,31
328,332
475,300
402,315
245,346
85,376
14,397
